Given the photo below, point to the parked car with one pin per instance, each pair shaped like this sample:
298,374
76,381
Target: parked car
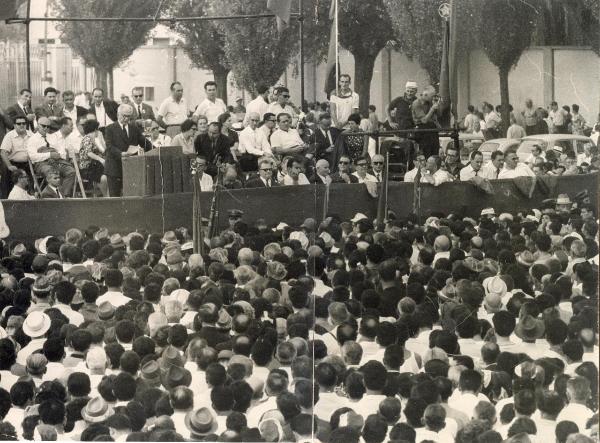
568,142
470,141
497,144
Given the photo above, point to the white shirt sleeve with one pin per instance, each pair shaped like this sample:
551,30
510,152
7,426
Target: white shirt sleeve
33,144
4,229
355,100
162,109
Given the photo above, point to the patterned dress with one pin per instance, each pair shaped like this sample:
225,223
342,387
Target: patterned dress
90,169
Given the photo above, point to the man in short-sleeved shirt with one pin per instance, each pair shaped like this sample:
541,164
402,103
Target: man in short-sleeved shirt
211,107
343,102
174,109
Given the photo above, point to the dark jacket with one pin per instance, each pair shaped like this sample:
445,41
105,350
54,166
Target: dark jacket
48,192
110,107
117,143
336,178
256,182
213,151
319,142
45,111
15,111
147,112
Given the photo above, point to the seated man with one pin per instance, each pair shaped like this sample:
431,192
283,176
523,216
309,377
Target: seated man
294,174
361,173
285,140
45,156
252,146
321,176
214,147
265,175
14,151
206,181
21,183
434,173
52,189
343,174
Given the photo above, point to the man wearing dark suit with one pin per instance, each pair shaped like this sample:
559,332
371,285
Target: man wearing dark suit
122,139
343,174
105,110
52,189
70,109
324,137
22,109
321,175
51,108
214,147
265,176
142,111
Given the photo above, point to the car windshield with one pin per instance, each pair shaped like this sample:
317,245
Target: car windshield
489,147
526,146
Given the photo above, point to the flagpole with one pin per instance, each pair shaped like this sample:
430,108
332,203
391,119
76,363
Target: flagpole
337,59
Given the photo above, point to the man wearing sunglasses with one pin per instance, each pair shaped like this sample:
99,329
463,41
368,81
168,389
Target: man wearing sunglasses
13,151
284,105
48,152
343,174
141,111
377,164
265,175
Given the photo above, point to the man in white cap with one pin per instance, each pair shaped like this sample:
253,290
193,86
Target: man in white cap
398,111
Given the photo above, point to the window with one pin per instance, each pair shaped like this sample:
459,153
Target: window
149,93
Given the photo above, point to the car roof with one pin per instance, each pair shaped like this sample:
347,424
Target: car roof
550,137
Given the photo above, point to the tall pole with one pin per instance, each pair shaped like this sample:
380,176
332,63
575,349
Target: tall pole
301,21
337,46
27,47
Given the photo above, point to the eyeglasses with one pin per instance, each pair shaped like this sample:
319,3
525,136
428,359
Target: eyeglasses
285,96
343,163
203,165
194,128
46,126
378,163
20,123
138,96
254,119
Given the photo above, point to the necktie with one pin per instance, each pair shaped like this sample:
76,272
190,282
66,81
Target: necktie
378,177
268,183
51,108
46,141
125,131
497,172
139,111
59,193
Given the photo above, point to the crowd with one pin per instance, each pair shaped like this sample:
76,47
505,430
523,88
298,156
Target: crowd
87,136
458,329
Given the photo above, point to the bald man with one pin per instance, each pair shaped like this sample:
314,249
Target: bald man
321,176
441,246
251,146
377,162
122,140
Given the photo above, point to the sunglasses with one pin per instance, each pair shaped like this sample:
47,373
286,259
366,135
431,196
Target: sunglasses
46,126
344,163
378,163
138,96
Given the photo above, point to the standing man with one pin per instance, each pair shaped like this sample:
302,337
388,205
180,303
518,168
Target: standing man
105,110
324,137
425,114
399,113
530,118
173,111
70,109
260,104
282,104
50,108
492,122
46,155
473,168
122,140
343,102
214,147
558,117
212,106
142,111
23,109
239,107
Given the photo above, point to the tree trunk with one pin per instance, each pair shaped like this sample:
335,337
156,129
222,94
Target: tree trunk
504,100
220,75
111,85
102,79
363,74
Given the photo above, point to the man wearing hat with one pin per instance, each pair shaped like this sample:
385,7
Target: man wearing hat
47,153
200,423
234,215
36,326
563,203
530,329
398,112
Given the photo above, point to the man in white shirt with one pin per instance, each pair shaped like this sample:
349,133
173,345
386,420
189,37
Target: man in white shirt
48,152
578,392
283,105
19,190
420,163
294,173
512,167
206,181
361,171
113,279
104,109
14,146
259,105
173,110
70,109
266,129
286,141
211,107
433,172
251,145
473,169
466,397
558,117
343,102
492,169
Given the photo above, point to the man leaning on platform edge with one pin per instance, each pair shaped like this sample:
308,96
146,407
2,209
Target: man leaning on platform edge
123,139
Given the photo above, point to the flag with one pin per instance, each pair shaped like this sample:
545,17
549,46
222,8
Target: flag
447,91
13,9
330,80
282,10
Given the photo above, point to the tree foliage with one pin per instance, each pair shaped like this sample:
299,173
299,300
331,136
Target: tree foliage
14,32
256,51
365,28
104,45
203,41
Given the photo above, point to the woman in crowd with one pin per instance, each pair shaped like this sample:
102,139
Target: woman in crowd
157,138
90,159
186,137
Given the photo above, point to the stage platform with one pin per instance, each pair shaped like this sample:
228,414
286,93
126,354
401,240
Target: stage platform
33,219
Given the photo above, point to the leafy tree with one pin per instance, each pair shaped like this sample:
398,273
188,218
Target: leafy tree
14,32
104,45
504,29
204,41
365,28
257,52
